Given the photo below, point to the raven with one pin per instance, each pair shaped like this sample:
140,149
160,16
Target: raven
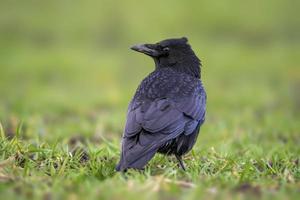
168,107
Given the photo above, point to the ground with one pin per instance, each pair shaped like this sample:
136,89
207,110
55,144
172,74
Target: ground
65,87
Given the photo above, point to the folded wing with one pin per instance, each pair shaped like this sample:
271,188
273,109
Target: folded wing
150,124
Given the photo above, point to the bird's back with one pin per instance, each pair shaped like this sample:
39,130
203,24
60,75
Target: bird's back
167,83
164,116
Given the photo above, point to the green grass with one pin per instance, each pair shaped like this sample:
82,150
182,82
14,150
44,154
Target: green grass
82,168
67,76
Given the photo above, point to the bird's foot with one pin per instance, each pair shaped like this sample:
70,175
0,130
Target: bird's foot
180,162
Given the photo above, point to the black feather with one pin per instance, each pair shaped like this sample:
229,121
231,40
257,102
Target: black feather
168,107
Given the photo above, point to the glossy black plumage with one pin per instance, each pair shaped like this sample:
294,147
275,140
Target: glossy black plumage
168,107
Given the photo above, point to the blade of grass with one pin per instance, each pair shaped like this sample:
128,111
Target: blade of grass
2,134
19,129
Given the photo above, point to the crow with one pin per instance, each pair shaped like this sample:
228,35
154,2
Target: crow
168,108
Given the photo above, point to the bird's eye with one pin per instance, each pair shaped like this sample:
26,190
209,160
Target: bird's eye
166,49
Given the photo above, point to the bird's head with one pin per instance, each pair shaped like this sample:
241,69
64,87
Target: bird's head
175,53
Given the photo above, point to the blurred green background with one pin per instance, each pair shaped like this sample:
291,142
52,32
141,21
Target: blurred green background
72,57
66,69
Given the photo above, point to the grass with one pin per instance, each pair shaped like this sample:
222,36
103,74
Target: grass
66,80
85,169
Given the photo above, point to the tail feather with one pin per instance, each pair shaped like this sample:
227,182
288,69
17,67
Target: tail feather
137,164
138,150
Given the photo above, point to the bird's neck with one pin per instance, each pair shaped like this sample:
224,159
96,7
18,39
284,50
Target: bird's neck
190,66
192,69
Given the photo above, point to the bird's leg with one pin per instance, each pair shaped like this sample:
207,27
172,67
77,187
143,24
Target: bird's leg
123,174
180,162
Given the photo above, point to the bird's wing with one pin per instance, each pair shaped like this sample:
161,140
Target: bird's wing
166,115
150,124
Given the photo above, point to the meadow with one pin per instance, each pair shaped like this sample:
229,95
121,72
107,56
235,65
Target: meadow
67,75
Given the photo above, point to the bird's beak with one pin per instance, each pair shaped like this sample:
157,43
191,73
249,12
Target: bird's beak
148,49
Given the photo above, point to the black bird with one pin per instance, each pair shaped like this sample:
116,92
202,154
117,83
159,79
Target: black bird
168,107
